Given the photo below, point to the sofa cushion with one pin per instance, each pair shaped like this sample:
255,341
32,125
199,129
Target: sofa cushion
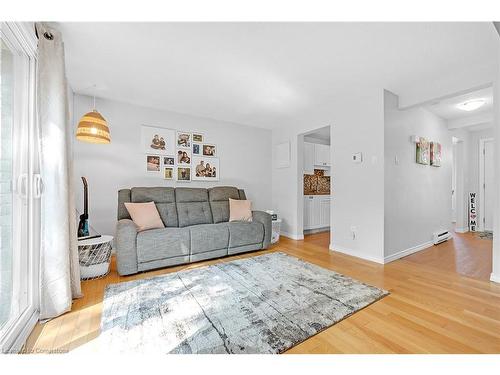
164,198
163,243
219,201
245,233
209,237
192,206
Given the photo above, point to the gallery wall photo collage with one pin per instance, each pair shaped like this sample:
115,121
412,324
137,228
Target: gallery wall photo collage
179,155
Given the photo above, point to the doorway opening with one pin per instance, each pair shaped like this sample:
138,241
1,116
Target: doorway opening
315,184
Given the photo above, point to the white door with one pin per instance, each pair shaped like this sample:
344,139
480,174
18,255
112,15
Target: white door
454,184
488,185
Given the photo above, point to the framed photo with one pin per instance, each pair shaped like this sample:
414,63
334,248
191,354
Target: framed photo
205,168
184,174
157,140
422,151
198,137
435,154
168,173
209,150
196,149
168,160
183,140
153,163
183,157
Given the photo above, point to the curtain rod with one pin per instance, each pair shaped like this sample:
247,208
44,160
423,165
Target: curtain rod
47,35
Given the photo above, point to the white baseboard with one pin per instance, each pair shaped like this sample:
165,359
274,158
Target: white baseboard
495,278
292,236
354,253
406,252
461,230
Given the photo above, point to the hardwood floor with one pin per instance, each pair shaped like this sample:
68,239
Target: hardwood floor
431,308
465,254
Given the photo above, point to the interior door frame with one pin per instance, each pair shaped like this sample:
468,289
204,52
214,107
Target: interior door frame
22,36
482,141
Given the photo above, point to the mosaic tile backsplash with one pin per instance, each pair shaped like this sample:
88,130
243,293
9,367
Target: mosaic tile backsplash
317,183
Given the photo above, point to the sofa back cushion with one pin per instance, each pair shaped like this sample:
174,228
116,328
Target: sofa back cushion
164,198
219,201
192,206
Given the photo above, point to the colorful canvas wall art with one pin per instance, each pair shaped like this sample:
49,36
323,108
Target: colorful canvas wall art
422,151
435,154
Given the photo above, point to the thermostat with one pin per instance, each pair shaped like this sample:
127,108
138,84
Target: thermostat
357,158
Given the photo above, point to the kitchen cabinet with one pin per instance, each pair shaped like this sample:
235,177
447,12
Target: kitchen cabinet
322,155
308,158
316,211
315,155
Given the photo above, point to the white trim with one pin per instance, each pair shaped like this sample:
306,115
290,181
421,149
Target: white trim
406,252
480,192
292,236
461,230
495,278
26,326
354,253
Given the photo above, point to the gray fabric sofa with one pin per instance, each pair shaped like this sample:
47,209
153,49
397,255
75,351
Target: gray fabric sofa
197,227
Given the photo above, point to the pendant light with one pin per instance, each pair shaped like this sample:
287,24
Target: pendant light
93,128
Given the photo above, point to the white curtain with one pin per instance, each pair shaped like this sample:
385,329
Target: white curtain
59,269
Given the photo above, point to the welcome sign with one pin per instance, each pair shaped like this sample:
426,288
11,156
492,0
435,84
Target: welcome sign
472,212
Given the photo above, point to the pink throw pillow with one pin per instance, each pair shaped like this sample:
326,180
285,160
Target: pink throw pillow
144,215
240,210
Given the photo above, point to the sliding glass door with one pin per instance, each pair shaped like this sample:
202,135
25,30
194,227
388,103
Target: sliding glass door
18,266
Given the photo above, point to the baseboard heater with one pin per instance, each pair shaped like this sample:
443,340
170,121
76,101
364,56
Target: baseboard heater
439,237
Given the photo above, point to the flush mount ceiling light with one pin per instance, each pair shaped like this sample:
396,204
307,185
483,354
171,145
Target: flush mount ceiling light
93,128
471,105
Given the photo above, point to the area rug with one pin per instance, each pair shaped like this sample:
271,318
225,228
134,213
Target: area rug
486,235
262,304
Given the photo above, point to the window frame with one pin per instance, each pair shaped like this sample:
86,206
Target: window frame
21,37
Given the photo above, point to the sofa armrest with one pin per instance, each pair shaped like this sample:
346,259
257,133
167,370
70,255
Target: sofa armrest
126,248
265,219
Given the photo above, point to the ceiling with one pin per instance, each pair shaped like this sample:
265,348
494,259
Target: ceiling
447,108
263,74
322,134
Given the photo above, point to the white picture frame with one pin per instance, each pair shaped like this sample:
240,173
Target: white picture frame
209,150
153,164
168,172
183,157
183,139
204,161
156,140
178,173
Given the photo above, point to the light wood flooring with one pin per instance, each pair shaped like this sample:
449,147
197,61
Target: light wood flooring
432,308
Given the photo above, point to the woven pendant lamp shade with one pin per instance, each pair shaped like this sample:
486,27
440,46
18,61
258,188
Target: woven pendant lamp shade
93,128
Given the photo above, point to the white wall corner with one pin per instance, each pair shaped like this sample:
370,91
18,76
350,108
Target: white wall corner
355,253
495,278
292,236
406,252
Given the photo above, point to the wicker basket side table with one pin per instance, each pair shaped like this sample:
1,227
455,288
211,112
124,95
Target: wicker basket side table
95,257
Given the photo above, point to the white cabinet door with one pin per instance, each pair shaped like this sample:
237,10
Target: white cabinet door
307,212
324,209
322,155
308,158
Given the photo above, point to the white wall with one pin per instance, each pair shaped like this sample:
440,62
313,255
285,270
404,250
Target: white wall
244,153
495,273
357,121
417,197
